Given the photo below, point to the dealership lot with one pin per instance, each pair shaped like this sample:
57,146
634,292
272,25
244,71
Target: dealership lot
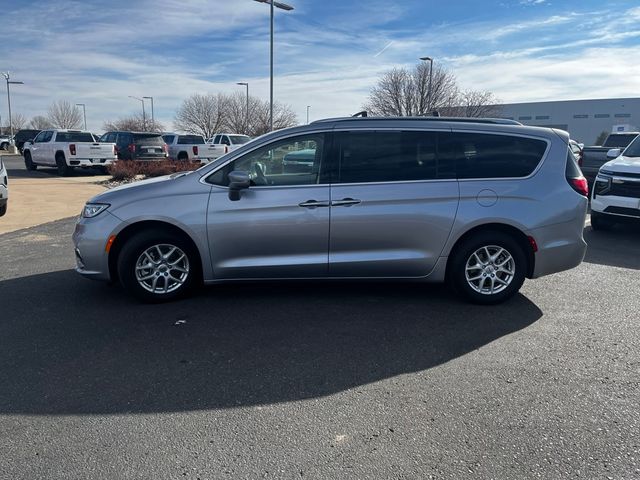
318,380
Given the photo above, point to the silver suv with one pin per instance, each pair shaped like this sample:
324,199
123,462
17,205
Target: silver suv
480,203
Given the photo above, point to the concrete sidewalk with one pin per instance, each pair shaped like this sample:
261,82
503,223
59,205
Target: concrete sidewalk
43,198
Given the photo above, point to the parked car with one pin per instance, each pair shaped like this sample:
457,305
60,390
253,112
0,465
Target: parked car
4,188
482,203
576,148
5,141
66,150
227,142
594,157
616,191
189,147
23,136
140,146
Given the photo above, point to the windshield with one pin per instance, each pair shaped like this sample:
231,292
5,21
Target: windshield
239,139
633,150
148,138
615,141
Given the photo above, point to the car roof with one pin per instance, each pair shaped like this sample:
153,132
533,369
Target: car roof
496,121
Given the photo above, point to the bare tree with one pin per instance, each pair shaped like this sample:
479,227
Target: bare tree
63,114
201,114
405,92
40,122
133,123
235,108
18,121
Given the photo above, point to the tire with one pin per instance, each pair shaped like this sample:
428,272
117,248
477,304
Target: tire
183,157
3,210
64,170
506,262
3,146
160,275
600,222
28,163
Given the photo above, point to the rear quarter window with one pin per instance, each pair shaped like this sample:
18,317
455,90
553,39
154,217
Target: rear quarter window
483,155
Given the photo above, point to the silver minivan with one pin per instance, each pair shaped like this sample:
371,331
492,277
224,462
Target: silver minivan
481,203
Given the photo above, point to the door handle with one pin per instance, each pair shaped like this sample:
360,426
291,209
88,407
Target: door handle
345,202
313,204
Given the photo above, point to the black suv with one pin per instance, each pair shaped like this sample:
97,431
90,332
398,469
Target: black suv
137,145
22,136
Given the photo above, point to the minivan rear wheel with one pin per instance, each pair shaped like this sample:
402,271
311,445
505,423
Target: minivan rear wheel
157,266
488,268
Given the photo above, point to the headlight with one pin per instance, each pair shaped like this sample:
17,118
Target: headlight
90,210
602,185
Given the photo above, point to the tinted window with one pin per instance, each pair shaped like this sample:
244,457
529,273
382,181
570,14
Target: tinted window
39,137
293,161
224,140
393,156
124,138
190,140
48,135
216,139
147,139
74,137
168,138
239,139
482,155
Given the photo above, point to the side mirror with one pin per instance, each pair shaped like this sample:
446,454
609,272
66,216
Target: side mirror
238,180
613,153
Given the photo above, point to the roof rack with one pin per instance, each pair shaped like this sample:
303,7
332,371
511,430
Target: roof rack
496,121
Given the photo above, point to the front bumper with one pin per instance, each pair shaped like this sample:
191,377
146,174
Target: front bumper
90,239
622,207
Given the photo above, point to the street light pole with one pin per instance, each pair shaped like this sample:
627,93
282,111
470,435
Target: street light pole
430,60
286,7
308,106
84,113
9,82
153,117
144,116
246,113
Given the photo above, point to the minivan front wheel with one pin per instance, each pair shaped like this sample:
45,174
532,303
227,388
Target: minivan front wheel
157,266
488,268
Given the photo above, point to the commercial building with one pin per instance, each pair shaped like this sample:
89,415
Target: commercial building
585,120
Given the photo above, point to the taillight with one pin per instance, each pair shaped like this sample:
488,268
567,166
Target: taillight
132,147
165,148
580,185
72,148
195,150
115,149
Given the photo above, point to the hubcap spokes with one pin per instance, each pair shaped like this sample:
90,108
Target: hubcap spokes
162,268
490,269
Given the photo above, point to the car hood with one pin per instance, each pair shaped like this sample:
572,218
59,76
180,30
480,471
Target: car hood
623,164
142,189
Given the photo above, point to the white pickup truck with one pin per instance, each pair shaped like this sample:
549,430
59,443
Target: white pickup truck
66,150
191,148
227,142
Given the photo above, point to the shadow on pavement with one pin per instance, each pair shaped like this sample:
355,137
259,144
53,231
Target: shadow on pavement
71,346
619,247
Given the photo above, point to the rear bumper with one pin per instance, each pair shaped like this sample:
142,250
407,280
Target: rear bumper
90,162
560,247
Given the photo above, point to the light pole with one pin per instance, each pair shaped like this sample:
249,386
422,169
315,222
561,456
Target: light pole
144,116
308,107
286,7
153,118
246,113
9,82
84,113
430,60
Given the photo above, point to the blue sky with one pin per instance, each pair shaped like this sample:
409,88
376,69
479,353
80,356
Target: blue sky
328,53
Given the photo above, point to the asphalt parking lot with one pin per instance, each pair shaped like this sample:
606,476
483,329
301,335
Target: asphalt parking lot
295,380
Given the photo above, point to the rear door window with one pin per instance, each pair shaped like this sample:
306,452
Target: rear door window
484,155
379,156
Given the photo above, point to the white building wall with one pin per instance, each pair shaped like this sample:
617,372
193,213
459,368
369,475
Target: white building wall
583,119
